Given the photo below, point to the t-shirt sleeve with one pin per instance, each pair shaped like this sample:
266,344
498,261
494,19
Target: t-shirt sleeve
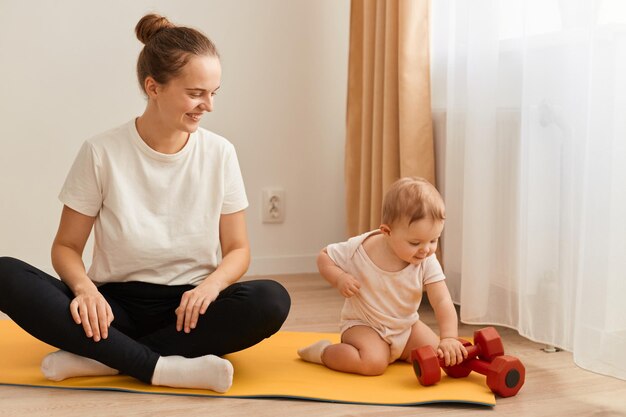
235,198
340,253
82,190
432,270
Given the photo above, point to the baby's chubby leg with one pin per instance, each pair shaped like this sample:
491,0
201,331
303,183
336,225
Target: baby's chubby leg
361,351
421,335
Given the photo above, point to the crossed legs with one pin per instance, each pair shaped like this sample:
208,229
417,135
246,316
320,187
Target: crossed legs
243,315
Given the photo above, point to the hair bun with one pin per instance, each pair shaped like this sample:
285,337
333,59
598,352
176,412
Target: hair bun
150,25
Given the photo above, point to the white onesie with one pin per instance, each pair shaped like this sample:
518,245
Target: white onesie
387,301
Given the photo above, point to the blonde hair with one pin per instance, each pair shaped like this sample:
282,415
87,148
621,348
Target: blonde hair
413,199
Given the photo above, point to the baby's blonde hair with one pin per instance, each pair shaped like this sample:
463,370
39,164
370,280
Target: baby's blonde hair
413,199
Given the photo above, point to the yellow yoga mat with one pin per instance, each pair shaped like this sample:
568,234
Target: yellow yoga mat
270,369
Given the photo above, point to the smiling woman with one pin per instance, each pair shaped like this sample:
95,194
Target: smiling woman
164,197
175,109
179,71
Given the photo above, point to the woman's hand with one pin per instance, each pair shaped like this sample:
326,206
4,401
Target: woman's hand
92,310
195,302
89,307
451,351
348,285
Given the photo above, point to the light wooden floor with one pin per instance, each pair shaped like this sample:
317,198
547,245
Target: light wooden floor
554,385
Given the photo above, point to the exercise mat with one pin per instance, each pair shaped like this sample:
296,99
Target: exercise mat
271,369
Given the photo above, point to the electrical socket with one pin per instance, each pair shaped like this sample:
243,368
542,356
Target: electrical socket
273,205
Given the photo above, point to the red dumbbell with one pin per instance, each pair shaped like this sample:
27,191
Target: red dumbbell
505,374
488,345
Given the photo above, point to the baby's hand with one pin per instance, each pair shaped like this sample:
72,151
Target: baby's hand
451,351
347,285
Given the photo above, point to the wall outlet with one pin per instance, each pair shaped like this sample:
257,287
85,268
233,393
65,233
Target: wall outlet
273,205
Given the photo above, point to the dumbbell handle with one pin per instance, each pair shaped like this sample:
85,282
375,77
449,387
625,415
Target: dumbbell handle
472,352
476,365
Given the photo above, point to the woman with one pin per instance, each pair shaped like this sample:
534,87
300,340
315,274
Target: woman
163,196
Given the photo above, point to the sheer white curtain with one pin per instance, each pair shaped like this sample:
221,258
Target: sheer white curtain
535,169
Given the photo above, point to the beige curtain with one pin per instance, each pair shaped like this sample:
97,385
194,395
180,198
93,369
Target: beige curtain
389,125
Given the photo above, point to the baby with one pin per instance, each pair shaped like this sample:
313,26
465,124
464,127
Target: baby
382,274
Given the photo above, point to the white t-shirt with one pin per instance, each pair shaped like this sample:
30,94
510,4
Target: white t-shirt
387,301
157,215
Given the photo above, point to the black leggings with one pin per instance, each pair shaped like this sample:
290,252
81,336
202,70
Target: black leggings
144,327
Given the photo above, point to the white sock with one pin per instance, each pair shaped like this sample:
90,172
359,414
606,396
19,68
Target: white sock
313,353
60,365
205,372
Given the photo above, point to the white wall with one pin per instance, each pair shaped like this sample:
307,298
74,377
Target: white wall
67,72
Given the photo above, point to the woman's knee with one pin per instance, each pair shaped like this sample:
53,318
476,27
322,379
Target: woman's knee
18,277
10,269
7,264
272,300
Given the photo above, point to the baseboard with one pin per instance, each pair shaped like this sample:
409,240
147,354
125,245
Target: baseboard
279,265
